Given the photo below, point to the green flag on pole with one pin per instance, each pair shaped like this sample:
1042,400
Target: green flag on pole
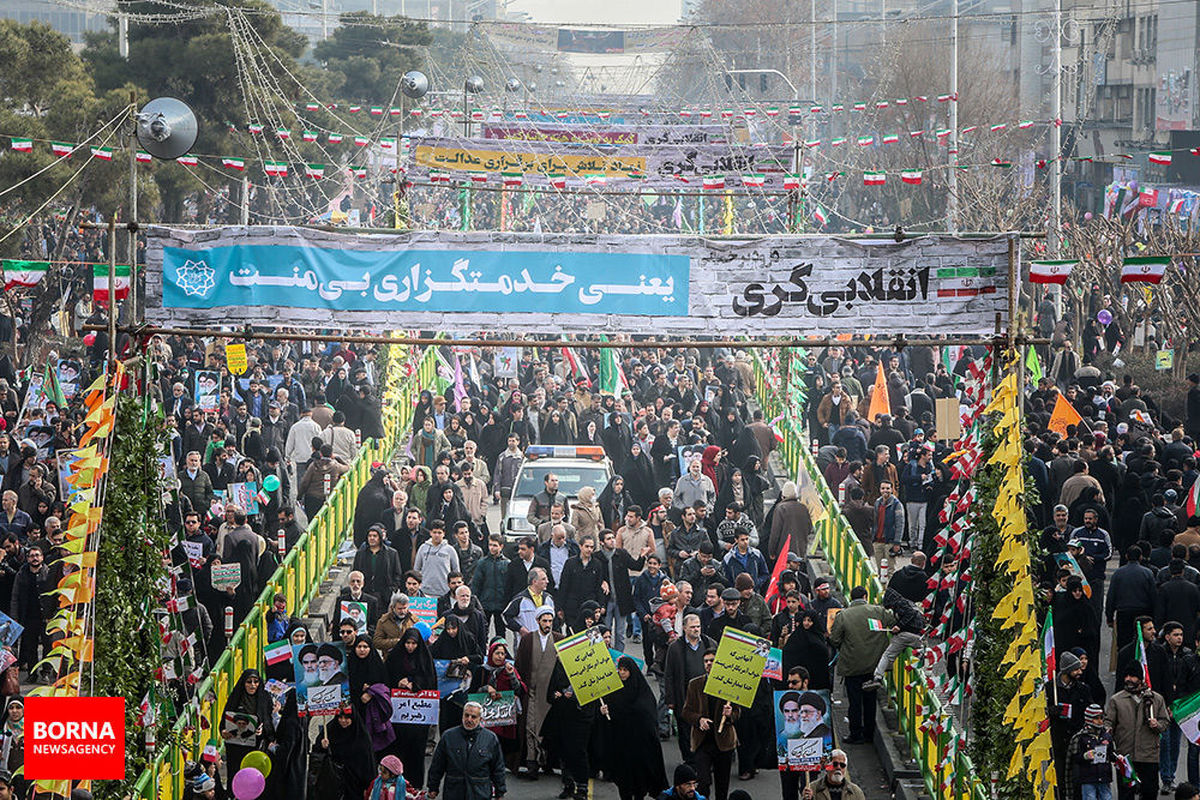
51,388
1034,365
610,371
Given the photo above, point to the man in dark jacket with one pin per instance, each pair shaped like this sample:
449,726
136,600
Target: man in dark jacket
29,604
379,563
353,593
910,581
1132,593
1178,599
469,759
489,583
684,661
620,596
906,633
1066,700
518,568
584,578
1181,678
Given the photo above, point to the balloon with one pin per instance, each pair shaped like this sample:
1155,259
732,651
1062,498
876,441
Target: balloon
1087,216
248,784
1133,186
271,483
1104,316
257,759
90,339
424,629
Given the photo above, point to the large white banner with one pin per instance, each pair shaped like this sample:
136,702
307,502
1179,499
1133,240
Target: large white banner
538,283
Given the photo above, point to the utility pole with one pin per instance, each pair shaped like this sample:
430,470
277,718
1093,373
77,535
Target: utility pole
952,200
133,212
122,35
833,61
1056,152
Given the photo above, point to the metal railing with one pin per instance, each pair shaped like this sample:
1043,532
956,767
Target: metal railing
298,577
926,723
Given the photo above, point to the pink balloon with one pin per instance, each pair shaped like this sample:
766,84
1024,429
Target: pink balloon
90,339
248,783
1087,216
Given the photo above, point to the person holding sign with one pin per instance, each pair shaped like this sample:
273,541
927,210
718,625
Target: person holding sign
566,730
834,783
410,667
249,701
498,674
714,735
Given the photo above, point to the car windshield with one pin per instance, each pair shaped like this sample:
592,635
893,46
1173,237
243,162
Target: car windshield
570,479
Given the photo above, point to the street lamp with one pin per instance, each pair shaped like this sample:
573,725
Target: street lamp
472,85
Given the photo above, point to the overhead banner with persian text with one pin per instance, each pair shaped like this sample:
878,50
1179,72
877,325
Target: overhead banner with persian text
656,166
543,283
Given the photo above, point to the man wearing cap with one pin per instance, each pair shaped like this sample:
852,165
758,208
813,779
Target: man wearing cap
1089,759
731,602
1137,717
1067,697
683,786
535,660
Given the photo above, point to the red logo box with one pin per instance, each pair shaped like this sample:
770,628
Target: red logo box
76,738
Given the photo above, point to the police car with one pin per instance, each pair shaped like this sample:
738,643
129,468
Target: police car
575,467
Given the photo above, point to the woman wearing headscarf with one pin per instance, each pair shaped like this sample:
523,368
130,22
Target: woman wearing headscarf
555,430
589,435
499,674
449,508
756,485
710,465
586,515
422,410
613,501
247,699
245,553
733,490
456,434
566,731
458,646
289,762
410,667
364,667
418,490
639,477
631,729
349,747
12,741
728,428
806,647
283,670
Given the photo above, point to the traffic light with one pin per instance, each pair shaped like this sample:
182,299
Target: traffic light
762,83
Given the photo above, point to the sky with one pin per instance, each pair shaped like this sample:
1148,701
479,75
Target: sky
608,12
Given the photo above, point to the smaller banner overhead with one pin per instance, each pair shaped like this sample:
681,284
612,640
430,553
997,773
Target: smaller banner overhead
524,282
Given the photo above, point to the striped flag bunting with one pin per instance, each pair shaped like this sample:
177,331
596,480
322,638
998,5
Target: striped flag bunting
964,281
233,163
188,161
335,138
891,138
512,179
102,153
1160,157
874,178
309,136
283,133
755,180
791,180
911,176
143,157
819,215
275,168
22,145
714,181
479,177
866,141
61,148
314,170
557,181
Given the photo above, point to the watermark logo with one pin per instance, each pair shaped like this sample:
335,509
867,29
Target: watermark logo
76,738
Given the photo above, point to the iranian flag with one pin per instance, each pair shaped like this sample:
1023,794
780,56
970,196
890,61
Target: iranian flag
595,180
359,172
999,162
772,111
1139,655
714,181
29,273
942,98
1193,498
277,652
874,178
838,141
911,176
1176,206
100,282
1051,271
881,104
102,153
1160,157
314,170
557,181
188,161
336,138
1048,653
916,134
376,111
791,180
866,141
416,112
942,133
275,168
355,109
1025,124
578,367
477,114
309,136
361,141
839,107
283,133
312,107
901,101
479,177
816,110
891,138
612,377
143,157
22,145
233,163
388,143
812,142
437,176
749,112
998,127
512,179
965,281
755,180
62,149
860,106
1144,269
819,215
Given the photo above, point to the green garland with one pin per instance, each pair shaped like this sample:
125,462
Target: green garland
129,570
991,740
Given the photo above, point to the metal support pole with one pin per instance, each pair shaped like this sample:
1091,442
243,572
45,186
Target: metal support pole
112,288
952,180
133,208
1056,153
245,199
